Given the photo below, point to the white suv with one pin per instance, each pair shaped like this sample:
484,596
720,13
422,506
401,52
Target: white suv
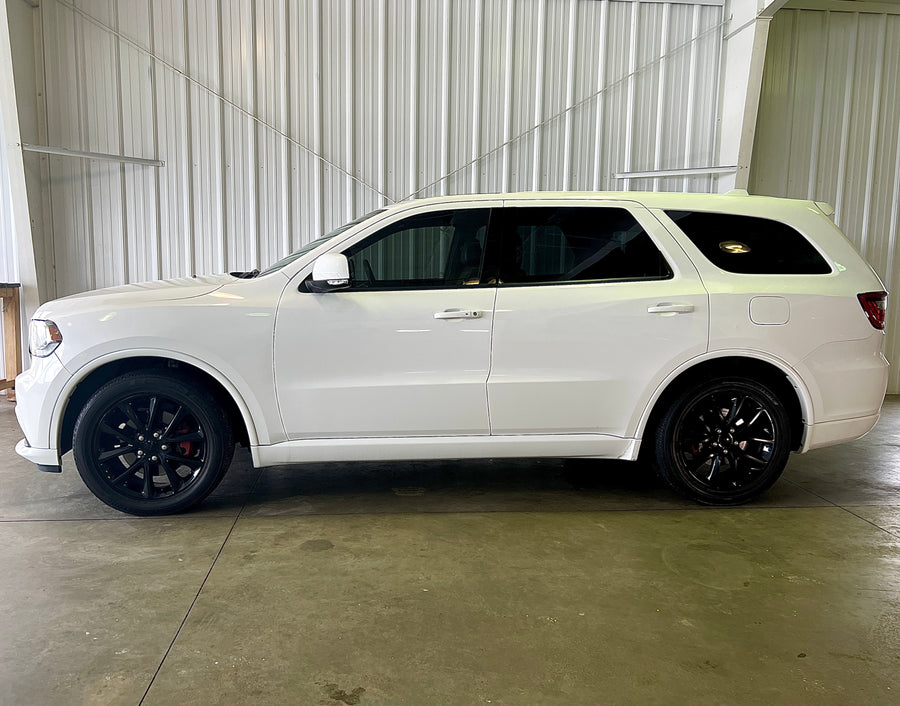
712,334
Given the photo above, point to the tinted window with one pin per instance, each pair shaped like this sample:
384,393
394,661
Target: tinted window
750,245
576,244
441,249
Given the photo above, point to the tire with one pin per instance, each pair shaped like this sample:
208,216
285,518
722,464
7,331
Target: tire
724,441
152,443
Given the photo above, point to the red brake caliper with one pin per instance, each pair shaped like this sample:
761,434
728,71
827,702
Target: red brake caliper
185,448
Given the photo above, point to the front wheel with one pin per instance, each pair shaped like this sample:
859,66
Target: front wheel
723,442
150,443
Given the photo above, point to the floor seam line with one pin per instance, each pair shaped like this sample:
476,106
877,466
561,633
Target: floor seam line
199,590
107,519
848,511
868,521
814,494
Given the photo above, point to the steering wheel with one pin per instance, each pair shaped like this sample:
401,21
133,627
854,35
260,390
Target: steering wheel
370,274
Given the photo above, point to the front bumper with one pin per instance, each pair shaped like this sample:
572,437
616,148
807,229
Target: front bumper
46,459
38,391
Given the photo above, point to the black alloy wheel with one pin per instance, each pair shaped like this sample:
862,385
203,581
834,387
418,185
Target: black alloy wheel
724,442
151,443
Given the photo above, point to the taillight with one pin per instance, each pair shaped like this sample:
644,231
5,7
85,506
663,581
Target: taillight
875,306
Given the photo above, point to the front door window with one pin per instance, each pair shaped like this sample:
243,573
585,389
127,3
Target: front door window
438,250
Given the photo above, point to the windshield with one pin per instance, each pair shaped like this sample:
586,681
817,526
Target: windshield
316,243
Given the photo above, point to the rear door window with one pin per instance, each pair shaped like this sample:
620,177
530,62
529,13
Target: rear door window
750,245
576,244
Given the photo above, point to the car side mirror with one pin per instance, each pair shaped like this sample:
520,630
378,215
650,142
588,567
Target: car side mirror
331,273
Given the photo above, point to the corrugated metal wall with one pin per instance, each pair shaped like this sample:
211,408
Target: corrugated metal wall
278,120
829,130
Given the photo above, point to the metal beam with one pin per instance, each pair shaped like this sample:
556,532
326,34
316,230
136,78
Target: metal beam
102,156
771,8
751,105
882,7
662,173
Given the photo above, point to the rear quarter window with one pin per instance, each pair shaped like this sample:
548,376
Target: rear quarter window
750,245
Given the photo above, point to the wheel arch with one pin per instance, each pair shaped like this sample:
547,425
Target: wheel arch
78,392
783,382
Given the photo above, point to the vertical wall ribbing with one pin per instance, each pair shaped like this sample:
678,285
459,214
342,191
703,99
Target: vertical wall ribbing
279,120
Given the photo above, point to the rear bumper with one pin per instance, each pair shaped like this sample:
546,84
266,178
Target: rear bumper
829,433
851,378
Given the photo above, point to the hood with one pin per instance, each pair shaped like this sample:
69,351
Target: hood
162,289
135,294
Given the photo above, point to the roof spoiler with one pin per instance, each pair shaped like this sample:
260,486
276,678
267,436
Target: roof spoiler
825,208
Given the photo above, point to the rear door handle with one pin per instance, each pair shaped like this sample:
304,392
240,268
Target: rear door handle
457,314
670,309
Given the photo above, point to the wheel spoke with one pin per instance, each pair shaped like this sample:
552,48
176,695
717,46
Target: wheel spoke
151,412
115,453
707,427
118,433
756,416
748,435
147,491
192,463
714,467
697,464
179,413
737,404
130,471
175,480
193,436
126,409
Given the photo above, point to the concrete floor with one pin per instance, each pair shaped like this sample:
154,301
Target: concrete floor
538,582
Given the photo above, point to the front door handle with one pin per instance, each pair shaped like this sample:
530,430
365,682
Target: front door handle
457,314
670,309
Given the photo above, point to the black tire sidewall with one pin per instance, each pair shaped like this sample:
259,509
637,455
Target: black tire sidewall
180,388
684,483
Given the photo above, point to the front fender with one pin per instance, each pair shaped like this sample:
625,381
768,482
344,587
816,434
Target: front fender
261,428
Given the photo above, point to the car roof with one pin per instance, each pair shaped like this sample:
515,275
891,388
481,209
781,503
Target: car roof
736,200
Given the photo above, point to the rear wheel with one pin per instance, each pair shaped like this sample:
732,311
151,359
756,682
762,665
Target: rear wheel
150,443
724,441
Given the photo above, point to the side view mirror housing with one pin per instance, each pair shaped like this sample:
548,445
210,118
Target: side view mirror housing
331,273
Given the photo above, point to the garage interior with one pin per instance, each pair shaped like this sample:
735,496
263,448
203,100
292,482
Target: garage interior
165,138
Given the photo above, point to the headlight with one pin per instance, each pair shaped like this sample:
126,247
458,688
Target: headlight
43,338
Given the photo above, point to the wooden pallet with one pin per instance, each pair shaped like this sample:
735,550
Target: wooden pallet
12,336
